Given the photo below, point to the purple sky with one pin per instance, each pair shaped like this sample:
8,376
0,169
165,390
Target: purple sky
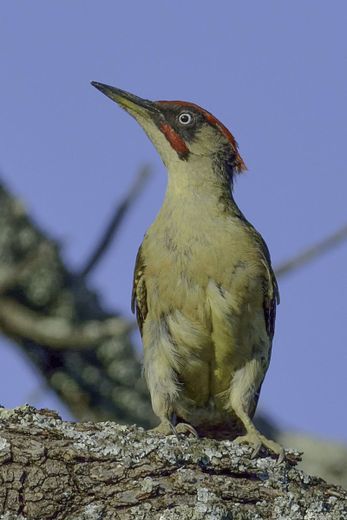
273,72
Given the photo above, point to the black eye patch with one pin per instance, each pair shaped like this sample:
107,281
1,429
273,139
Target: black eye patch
185,121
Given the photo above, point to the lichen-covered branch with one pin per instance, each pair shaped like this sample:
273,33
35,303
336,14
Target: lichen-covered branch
54,469
84,352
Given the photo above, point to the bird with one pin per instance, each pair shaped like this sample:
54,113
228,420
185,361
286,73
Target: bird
204,291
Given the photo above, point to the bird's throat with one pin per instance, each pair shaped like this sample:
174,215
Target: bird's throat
201,184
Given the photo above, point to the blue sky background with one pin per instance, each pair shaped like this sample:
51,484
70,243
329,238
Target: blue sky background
273,72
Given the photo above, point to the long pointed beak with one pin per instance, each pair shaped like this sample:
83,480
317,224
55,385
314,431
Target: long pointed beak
131,103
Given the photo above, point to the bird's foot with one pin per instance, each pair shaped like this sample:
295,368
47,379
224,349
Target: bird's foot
186,428
167,428
257,440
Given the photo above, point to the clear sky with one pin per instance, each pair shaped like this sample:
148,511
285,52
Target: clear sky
274,73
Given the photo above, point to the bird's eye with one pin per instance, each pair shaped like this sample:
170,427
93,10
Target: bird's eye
185,118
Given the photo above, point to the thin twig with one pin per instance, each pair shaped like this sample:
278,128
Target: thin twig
115,221
311,253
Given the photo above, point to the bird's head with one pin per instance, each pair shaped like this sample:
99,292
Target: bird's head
181,131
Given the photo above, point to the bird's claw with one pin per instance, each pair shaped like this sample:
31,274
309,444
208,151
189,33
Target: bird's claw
186,428
256,450
167,428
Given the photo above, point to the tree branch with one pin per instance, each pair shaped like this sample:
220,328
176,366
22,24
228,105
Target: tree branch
55,332
116,220
83,352
55,469
312,252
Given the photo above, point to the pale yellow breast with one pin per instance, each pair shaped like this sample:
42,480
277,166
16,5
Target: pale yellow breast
207,282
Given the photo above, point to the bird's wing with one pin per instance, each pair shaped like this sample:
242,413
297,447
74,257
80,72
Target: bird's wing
271,292
271,299
139,292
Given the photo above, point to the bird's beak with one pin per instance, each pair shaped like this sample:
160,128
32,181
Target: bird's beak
135,105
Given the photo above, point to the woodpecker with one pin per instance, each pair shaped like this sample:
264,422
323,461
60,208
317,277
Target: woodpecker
204,292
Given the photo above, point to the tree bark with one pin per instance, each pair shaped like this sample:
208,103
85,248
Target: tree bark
51,469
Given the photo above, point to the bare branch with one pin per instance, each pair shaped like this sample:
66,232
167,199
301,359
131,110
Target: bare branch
55,332
116,221
313,252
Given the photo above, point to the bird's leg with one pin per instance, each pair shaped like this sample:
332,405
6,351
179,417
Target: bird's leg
254,438
242,399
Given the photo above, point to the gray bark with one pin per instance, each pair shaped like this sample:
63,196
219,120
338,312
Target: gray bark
51,469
